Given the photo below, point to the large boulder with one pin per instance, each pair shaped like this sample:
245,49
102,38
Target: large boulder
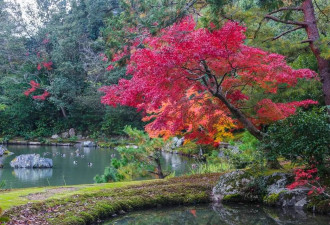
72,132
244,186
235,186
31,161
65,135
278,195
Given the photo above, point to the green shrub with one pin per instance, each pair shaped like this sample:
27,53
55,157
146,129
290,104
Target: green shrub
245,152
302,138
110,175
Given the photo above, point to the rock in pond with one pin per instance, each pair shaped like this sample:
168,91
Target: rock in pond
88,144
243,186
31,161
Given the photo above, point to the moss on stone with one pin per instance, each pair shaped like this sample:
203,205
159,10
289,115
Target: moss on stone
233,198
273,179
271,199
288,196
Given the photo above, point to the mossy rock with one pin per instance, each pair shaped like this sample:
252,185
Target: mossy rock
272,199
237,183
233,198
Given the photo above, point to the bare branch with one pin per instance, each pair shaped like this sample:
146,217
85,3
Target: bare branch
284,33
318,7
307,41
286,9
286,21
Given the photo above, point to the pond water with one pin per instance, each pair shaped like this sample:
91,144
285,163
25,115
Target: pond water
221,215
65,172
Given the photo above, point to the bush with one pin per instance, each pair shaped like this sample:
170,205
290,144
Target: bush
110,175
245,152
302,138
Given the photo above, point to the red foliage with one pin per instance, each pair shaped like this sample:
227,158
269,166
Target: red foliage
110,67
307,178
41,97
39,66
269,111
48,65
184,67
34,86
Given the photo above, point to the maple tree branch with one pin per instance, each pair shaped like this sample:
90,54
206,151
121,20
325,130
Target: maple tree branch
198,78
284,33
211,77
223,78
206,84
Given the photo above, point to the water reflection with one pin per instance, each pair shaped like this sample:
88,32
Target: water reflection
72,165
28,174
224,215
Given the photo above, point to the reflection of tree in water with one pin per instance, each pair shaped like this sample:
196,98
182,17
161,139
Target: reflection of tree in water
221,215
253,214
233,215
174,162
87,150
25,174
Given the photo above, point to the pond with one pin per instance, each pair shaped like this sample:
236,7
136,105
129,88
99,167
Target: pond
66,172
221,214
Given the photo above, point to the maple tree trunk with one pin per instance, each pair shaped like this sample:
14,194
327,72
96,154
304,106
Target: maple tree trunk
241,117
313,36
271,163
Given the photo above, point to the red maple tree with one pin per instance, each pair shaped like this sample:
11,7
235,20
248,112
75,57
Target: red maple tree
194,82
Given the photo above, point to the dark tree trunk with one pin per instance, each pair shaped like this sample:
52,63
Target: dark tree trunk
241,117
313,36
159,168
271,163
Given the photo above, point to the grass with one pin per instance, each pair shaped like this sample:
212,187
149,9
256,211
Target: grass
90,203
16,197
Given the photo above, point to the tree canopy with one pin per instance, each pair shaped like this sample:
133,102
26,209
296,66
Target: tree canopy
197,82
